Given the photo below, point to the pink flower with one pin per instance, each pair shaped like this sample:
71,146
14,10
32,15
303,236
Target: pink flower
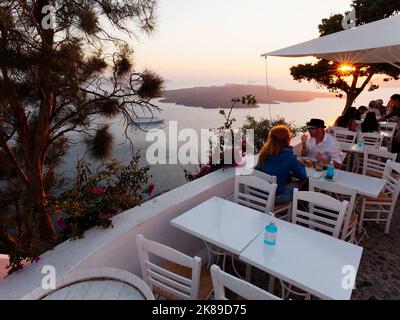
36,259
104,215
61,223
150,189
98,190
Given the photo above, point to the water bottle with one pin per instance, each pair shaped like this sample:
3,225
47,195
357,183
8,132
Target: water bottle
331,171
270,234
361,143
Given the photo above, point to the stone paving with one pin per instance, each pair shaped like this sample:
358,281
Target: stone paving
379,272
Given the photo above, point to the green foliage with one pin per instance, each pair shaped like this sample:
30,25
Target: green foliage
100,195
219,148
262,127
372,10
261,130
331,25
58,81
92,201
100,144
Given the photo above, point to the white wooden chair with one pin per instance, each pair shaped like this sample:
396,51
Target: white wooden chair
346,136
325,214
390,129
341,193
381,209
181,278
277,209
375,162
256,193
331,130
222,280
373,139
262,175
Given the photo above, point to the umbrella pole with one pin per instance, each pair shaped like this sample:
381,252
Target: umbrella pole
267,82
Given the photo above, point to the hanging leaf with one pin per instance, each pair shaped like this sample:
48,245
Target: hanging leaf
100,145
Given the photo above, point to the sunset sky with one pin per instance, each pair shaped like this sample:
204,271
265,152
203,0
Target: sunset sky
220,41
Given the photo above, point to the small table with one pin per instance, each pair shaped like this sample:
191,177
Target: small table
365,185
96,284
354,148
223,223
310,260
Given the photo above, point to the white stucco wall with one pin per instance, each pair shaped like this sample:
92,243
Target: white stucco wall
116,247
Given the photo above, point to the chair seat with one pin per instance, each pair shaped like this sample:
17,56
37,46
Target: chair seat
206,286
374,174
383,197
280,207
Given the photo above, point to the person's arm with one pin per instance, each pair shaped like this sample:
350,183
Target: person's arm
298,170
336,155
304,149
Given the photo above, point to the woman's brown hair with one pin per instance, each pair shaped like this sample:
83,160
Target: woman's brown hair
278,139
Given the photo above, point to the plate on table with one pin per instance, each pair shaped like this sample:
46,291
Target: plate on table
313,174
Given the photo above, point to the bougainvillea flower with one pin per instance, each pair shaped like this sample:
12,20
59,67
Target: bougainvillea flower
98,190
151,189
36,259
61,223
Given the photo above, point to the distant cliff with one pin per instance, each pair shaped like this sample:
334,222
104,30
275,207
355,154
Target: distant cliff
220,96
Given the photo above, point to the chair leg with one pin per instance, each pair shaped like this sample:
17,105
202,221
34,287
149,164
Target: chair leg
389,220
361,222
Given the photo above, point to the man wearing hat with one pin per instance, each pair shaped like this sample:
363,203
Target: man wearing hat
320,145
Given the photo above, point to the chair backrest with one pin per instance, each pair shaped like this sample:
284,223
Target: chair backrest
324,213
331,130
388,127
340,193
262,175
158,277
373,139
392,177
254,192
222,280
344,135
375,161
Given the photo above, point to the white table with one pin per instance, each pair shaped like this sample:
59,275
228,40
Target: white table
353,148
308,259
96,284
365,185
223,223
97,290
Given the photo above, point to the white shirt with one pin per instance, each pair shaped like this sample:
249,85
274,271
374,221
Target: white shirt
329,149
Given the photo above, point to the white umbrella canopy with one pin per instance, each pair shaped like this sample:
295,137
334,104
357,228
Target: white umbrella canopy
376,42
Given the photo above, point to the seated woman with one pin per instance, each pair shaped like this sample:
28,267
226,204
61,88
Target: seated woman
277,159
348,119
370,123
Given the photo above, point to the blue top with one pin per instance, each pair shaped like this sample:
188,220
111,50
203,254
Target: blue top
283,166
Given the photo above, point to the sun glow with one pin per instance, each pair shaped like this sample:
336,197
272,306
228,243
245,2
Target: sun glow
346,68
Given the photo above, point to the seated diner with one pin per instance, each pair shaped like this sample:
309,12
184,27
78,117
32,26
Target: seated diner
277,159
320,145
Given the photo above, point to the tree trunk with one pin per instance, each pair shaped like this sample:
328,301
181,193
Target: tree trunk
38,199
350,98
